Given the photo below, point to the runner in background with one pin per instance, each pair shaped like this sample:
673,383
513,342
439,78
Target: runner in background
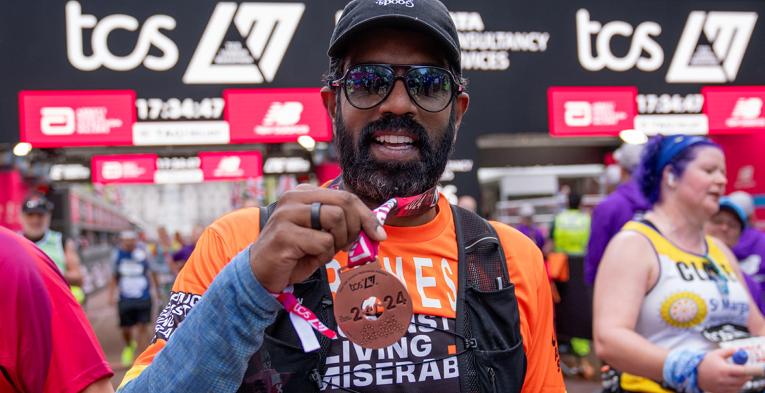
163,264
46,342
184,252
727,225
617,209
569,234
35,223
528,227
134,282
665,293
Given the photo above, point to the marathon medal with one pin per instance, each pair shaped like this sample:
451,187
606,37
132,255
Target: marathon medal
372,306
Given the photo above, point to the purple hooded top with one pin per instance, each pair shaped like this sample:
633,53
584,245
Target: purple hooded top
750,252
607,220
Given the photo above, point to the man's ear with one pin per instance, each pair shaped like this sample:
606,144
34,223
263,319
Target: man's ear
461,102
329,99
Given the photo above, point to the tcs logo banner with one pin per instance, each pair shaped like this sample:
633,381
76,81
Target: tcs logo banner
710,49
266,29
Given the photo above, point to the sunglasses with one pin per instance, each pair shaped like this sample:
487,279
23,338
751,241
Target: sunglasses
367,85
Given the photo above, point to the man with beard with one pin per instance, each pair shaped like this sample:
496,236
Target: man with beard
394,140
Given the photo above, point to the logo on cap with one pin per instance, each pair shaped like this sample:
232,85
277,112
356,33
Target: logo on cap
408,3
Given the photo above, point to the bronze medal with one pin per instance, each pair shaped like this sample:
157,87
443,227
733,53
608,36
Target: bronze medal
372,306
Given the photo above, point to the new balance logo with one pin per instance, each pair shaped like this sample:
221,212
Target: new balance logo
712,47
229,166
746,113
267,29
282,119
283,113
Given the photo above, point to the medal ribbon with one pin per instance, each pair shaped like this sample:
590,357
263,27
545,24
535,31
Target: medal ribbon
362,251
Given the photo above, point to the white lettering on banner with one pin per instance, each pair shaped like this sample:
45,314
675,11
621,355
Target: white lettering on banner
174,313
152,133
490,50
747,112
669,103
282,119
229,167
597,113
115,170
174,108
745,177
83,120
714,59
149,35
691,124
268,29
425,282
57,120
642,41
728,33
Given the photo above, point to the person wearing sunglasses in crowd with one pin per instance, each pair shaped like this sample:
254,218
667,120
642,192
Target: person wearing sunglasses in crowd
396,97
665,292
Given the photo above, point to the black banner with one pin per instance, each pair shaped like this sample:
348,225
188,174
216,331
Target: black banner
512,52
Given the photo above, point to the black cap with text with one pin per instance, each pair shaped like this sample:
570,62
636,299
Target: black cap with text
430,16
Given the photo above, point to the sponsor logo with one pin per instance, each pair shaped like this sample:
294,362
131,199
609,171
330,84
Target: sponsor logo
115,170
747,112
712,47
229,166
267,29
150,35
408,3
734,109
590,110
83,120
490,50
644,53
282,119
597,113
745,177
710,50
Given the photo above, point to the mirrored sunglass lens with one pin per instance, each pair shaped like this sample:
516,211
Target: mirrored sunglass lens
430,87
367,85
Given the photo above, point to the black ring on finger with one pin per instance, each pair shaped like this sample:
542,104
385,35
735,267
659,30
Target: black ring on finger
316,216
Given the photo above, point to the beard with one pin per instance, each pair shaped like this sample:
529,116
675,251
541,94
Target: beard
378,181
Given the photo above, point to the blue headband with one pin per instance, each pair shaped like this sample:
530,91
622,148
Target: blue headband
673,145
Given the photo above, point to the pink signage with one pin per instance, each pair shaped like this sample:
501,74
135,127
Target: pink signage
276,115
12,193
591,111
77,117
231,165
126,168
734,109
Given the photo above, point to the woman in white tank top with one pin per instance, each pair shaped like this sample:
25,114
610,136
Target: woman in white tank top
665,293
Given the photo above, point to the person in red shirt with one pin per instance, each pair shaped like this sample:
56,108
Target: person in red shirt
46,342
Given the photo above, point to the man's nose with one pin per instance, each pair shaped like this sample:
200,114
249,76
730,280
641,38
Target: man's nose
398,101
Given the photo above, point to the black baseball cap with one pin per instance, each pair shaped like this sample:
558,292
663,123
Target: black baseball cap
37,204
430,16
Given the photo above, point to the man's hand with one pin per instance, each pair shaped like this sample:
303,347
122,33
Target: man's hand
288,250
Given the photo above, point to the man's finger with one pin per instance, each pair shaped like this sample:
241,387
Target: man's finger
351,205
